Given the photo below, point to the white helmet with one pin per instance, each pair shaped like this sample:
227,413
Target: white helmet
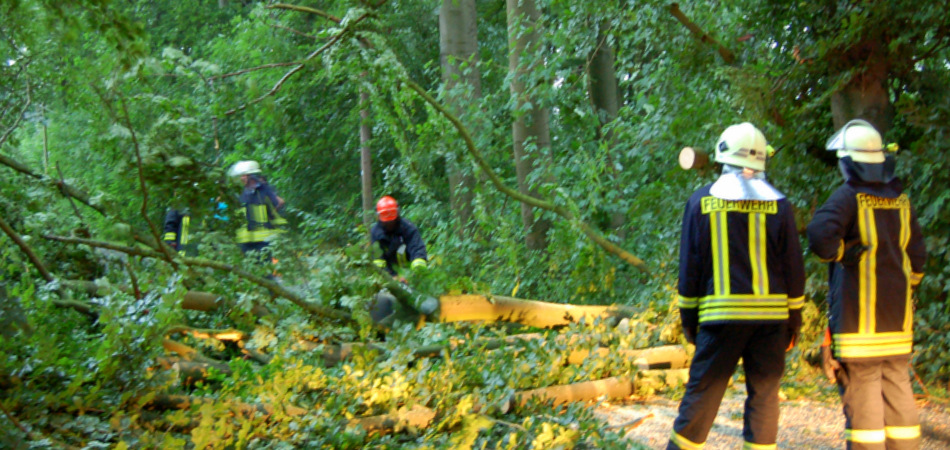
244,168
743,145
859,140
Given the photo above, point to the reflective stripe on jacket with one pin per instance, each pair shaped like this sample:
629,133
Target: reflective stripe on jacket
870,295
740,261
260,211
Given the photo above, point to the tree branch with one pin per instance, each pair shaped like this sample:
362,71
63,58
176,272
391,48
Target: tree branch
253,69
271,286
306,9
591,233
336,38
144,209
25,248
16,123
701,35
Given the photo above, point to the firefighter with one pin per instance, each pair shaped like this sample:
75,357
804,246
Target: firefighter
868,233
177,231
741,290
398,243
260,205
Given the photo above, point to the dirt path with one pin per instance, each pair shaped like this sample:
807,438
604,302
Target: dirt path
804,424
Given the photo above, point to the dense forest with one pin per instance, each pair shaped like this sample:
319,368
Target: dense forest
533,142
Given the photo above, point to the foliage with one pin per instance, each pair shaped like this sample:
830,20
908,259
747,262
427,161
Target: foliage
144,105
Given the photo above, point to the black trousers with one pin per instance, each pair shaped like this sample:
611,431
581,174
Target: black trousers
879,406
718,349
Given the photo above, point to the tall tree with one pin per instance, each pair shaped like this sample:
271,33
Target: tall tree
605,97
530,131
458,42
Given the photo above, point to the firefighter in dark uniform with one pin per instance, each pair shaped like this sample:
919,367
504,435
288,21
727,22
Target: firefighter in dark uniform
868,233
260,205
177,231
397,242
741,288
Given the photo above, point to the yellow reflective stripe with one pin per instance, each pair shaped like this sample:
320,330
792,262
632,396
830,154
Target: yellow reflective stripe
864,436
757,257
753,446
185,221
259,213
911,432
743,307
418,262
854,345
796,303
837,256
689,302
684,443
379,262
915,278
905,259
867,272
169,236
720,247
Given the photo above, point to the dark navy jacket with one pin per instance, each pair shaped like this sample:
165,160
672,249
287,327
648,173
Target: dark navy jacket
389,244
740,261
870,296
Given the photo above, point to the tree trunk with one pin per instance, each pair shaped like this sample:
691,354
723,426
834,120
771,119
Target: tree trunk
865,96
530,131
366,163
605,96
457,308
458,43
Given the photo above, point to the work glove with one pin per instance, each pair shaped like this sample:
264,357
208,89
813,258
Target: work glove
794,326
689,318
828,362
852,252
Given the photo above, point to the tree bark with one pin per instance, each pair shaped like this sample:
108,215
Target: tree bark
605,97
458,43
457,308
366,162
530,132
865,96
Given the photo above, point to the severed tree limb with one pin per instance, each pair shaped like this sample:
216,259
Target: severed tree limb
229,334
565,213
83,308
185,402
701,35
417,416
166,251
35,260
495,308
68,190
271,286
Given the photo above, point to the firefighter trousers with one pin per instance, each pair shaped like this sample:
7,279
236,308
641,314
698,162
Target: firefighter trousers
879,406
718,349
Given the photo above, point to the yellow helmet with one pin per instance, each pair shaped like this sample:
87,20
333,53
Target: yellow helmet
859,140
244,168
743,145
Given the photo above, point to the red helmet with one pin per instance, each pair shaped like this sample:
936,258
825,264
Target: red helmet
387,209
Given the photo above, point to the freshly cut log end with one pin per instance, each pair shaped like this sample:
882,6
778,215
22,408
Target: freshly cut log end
690,158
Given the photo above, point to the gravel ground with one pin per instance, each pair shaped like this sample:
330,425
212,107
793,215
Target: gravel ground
804,424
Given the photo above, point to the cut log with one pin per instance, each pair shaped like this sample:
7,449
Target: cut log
416,417
610,388
496,308
691,158
247,409
664,357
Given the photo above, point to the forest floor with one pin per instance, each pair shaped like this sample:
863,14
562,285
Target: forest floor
804,423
